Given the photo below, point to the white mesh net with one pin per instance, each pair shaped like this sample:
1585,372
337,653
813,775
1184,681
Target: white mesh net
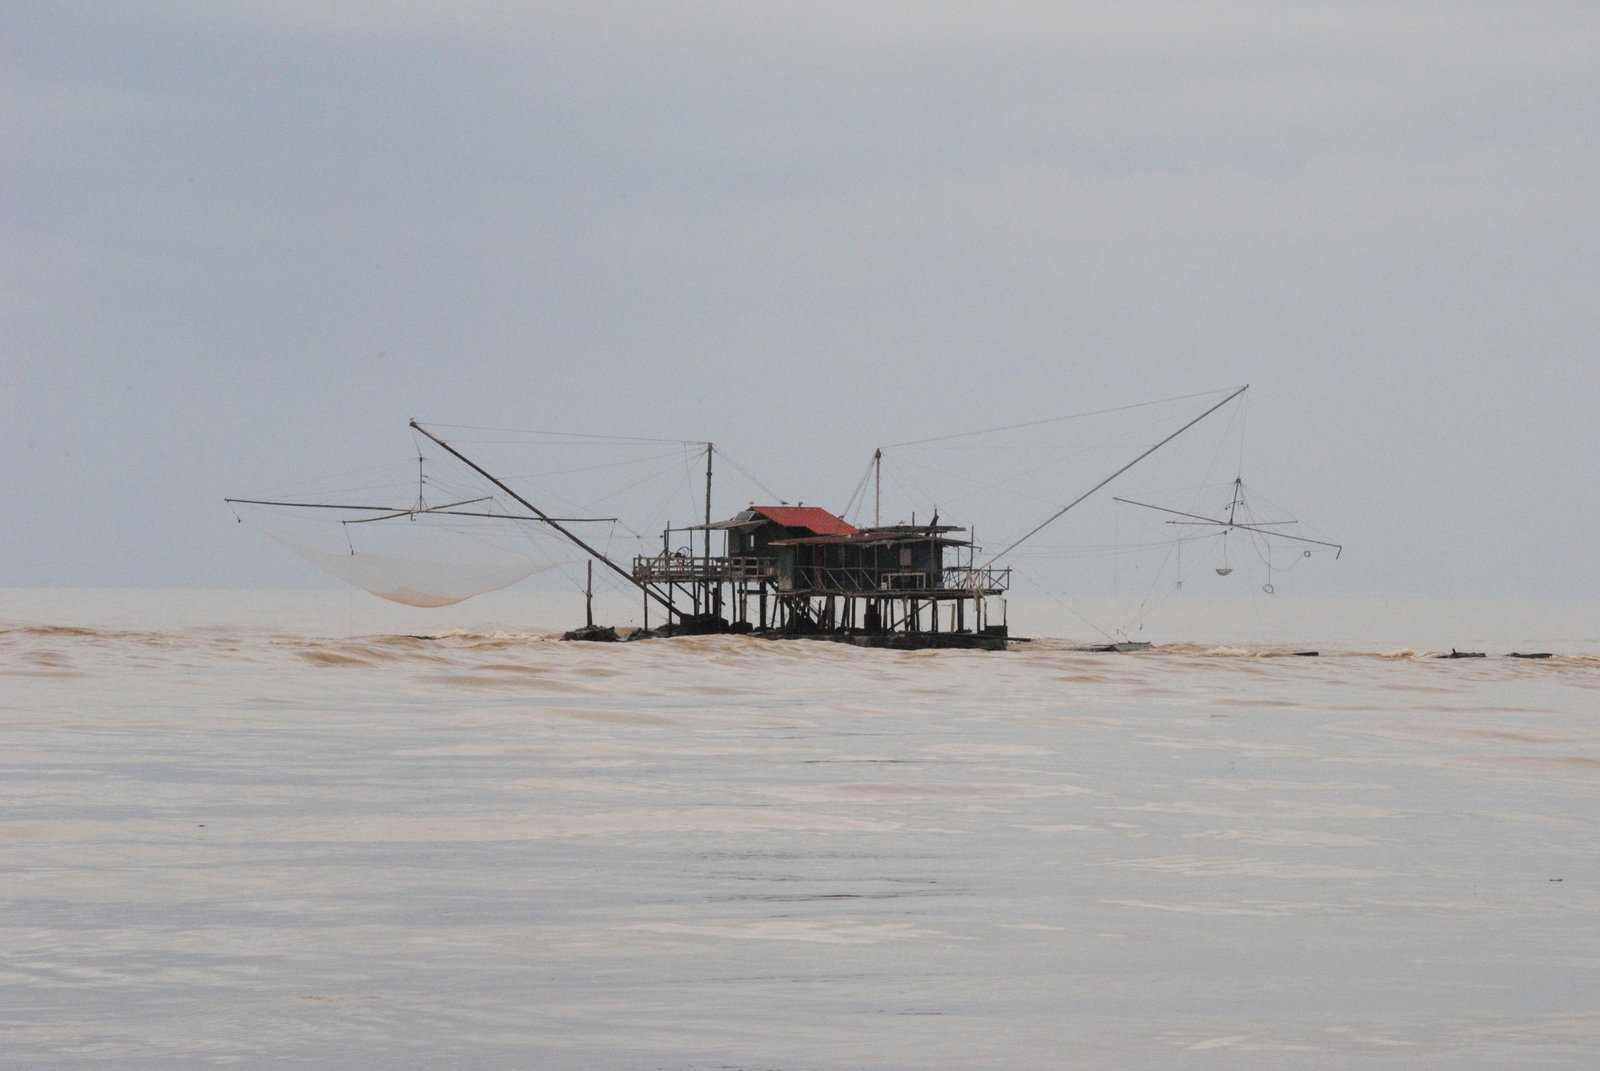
418,582
432,531
417,558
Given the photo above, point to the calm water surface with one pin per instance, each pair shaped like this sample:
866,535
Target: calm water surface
256,830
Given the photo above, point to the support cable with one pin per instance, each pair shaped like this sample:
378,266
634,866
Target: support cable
1060,419
1048,520
746,473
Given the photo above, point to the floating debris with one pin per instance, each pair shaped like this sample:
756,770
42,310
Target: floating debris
1530,654
1462,654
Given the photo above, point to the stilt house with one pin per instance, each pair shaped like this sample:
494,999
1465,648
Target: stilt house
801,569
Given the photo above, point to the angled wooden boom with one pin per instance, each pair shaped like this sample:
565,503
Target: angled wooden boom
551,521
1048,520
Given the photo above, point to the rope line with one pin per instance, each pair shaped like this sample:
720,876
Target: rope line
1057,420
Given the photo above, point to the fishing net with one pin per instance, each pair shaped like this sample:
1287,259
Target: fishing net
434,531
415,581
419,558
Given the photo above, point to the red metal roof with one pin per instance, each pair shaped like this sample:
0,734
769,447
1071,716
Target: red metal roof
812,518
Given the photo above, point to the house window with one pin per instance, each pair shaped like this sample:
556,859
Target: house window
905,557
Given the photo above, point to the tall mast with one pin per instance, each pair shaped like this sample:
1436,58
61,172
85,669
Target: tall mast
877,488
542,515
710,448
1036,528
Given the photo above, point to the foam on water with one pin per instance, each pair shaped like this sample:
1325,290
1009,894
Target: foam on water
242,833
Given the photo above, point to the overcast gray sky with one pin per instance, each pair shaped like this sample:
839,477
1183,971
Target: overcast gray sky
245,243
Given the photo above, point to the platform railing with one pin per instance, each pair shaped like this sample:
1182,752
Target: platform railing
978,578
684,568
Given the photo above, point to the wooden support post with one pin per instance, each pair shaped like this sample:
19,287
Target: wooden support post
706,566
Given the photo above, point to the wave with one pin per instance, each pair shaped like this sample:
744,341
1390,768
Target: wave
502,658
52,630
